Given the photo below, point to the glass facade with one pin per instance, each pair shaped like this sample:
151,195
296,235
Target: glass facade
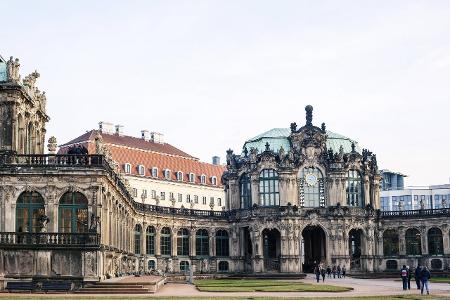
202,243
137,239
390,243
150,240
311,188
435,242
222,243
268,188
166,241
413,242
183,242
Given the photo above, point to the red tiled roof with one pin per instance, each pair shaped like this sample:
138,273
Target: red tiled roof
126,149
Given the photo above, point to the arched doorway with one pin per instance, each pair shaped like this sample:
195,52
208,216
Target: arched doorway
355,247
313,247
271,249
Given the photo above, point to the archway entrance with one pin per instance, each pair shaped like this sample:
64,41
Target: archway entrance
313,247
271,249
355,248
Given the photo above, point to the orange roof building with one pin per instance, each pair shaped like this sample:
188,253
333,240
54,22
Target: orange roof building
159,173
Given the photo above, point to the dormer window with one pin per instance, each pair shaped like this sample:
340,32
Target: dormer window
191,177
141,170
214,180
180,176
127,168
154,172
203,179
167,174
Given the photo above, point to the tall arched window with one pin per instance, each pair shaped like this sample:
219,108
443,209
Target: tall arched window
354,189
245,191
435,243
183,242
269,194
166,241
311,188
73,213
30,206
202,243
390,243
222,243
413,242
150,240
137,239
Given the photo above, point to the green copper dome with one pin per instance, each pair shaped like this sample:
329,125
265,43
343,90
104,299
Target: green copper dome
278,137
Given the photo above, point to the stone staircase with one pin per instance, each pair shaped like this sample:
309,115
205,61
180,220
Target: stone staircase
113,288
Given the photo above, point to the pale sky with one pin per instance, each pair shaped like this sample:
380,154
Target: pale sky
211,74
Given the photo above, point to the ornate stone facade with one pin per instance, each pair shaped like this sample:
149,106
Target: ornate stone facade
307,202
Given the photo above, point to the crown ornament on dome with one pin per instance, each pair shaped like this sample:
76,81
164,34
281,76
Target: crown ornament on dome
309,115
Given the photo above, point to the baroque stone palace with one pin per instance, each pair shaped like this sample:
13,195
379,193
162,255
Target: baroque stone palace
293,197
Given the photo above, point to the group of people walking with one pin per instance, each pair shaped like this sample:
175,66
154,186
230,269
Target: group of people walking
421,275
321,271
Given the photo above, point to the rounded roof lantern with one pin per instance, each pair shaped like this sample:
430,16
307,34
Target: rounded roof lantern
278,137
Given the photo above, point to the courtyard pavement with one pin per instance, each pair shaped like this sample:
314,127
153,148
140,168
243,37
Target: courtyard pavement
361,287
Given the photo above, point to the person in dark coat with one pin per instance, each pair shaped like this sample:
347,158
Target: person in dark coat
344,270
339,271
329,271
409,277
334,271
417,276
322,272
317,273
425,276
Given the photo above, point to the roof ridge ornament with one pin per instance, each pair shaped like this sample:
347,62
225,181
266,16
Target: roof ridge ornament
309,115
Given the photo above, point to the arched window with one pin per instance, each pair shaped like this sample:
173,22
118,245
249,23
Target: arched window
203,179
150,240
435,243
127,168
268,188
184,265
191,177
214,180
180,176
151,264
166,241
413,242
390,243
137,239
354,189
202,243
311,188
154,172
167,174
73,213
141,170
245,191
30,206
183,242
222,243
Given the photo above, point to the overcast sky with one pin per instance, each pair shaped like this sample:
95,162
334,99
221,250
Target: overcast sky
211,74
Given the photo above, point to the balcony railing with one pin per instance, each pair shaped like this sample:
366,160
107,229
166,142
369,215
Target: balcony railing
418,213
61,160
49,240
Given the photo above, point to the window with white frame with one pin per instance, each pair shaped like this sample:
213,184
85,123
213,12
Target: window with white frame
204,200
167,174
134,192
153,194
214,180
163,195
127,168
203,179
188,198
144,193
141,170
219,202
211,200
171,196
195,199
154,172
191,177
180,176
180,197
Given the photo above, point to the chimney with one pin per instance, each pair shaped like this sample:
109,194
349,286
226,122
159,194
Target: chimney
119,130
105,127
157,137
145,135
216,160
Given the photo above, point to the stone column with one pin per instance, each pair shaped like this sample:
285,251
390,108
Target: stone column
144,239
233,192
192,243
424,237
212,243
401,241
366,184
254,179
158,240
284,189
174,242
445,236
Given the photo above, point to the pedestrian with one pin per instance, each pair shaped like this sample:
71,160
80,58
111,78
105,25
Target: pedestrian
334,271
339,271
409,277
322,272
343,271
404,276
317,273
425,276
417,276
329,271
